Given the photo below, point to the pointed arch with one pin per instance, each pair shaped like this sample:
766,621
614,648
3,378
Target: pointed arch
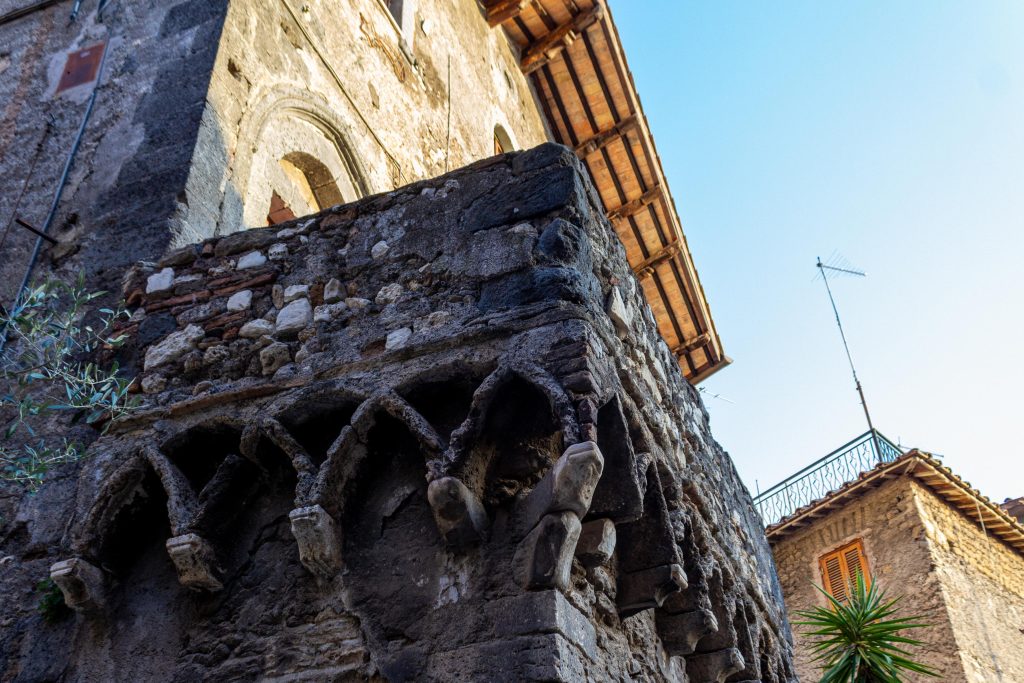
519,422
293,144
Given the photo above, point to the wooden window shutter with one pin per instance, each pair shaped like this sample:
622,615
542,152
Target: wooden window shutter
839,569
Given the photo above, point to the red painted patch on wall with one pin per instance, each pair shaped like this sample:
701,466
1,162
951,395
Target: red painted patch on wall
81,67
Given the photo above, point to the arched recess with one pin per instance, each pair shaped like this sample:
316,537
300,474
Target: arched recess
294,159
128,519
224,482
314,179
388,509
518,425
502,140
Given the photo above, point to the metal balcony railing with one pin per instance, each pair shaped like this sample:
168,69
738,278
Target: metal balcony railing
822,477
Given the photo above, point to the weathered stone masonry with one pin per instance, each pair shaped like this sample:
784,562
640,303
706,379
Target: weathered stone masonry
430,435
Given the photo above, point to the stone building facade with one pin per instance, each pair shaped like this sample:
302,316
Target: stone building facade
199,100
128,128
431,435
442,426
1015,508
956,558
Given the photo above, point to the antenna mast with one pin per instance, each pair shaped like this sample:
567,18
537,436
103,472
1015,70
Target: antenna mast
823,268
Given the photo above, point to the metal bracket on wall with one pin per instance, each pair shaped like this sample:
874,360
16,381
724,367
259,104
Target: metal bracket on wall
35,231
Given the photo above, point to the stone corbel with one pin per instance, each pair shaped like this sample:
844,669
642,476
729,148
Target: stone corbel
648,588
459,515
681,632
597,542
82,584
318,539
196,562
714,667
544,558
567,487
551,514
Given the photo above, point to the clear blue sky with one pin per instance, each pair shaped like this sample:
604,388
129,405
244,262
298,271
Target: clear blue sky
892,132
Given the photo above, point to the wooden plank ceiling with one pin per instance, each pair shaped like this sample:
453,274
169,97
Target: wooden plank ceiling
572,53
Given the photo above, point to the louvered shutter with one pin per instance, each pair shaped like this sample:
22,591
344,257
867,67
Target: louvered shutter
853,564
839,569
833,567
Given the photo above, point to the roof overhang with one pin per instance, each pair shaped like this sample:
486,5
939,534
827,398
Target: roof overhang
572,53
926,470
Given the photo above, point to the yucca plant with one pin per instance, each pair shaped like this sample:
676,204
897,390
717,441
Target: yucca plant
862,640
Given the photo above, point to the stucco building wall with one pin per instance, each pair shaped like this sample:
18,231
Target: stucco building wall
889,522
982,582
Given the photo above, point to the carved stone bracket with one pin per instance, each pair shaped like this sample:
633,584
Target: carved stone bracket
196,562
681,632
544,558
567,487
648,588
81,583
318,539
552,512
714,667
597,542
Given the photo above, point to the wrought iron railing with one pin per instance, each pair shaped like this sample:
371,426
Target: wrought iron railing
822,477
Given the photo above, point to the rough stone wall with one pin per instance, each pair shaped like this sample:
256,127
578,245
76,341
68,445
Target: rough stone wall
396,104
887,521
431,435
983,585
134,156
190,92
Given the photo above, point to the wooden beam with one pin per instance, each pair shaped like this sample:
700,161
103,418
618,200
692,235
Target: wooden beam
503,10
636,206
645,267
692,345
540,52
25,11
606,136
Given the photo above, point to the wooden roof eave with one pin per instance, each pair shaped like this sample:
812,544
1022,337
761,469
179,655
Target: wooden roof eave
590,99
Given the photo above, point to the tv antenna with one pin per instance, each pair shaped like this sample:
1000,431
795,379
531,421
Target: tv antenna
837,266
704,391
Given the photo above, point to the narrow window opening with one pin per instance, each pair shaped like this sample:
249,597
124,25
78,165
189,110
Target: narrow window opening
395,7
502,141
279,211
